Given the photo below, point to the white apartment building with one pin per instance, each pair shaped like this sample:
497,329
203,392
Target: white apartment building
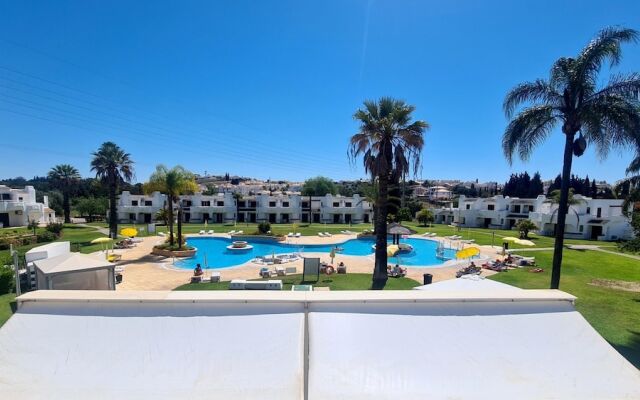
19,206
597,219
223,208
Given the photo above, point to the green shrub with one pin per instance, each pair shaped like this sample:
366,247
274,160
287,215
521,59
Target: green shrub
5,244
264,227
46,236
55,228
7,280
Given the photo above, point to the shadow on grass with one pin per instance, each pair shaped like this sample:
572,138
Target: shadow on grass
632,350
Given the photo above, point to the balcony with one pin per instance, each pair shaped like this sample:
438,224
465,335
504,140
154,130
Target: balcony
10,205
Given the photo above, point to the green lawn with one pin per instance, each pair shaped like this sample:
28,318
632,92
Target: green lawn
615,314
335,282
6,307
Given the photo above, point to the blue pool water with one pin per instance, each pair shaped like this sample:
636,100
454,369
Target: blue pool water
217,255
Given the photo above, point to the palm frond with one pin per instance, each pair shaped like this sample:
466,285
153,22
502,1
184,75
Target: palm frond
605,46
537,91
528,129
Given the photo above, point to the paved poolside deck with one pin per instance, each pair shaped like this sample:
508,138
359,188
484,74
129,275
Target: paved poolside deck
144,271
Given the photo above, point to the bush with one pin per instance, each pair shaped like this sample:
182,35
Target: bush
55,228
404,214
5,244
264,227
7,281
44,237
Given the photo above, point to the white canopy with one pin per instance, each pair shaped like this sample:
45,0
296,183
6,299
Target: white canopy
75,271
525,344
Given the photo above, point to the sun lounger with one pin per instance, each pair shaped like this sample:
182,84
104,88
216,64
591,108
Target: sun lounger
215,277
280,271
267,273
469,241
290,234
232,232
342,269
298,234
327,234
201,232
239,232
162,234
291,270
210,232
320,234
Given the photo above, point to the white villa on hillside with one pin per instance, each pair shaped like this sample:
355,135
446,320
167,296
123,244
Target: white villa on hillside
597,219
19,206
275,208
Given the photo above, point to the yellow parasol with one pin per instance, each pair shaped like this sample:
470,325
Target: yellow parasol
392,250
510,239
130,232
101,240
332,254
524,242
468,252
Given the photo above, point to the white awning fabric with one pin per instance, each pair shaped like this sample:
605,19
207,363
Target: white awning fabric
524,344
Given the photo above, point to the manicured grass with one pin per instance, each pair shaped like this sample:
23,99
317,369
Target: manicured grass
615,314
6,307
334,282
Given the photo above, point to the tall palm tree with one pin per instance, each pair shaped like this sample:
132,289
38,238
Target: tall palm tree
237,196
173,182
633,180
605,117
389,143
112,166
65,177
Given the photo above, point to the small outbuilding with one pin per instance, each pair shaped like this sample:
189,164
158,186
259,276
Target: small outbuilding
75,271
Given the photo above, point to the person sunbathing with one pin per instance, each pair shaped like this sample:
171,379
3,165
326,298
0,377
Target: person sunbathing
198,270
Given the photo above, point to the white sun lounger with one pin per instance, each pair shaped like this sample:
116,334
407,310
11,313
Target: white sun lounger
239,232
320,234
232,232
297,234
290,234
162,234
210,232
201,232
327,234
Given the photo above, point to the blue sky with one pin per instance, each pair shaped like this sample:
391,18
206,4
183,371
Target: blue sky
268,88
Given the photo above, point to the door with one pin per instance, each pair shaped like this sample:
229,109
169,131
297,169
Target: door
241,217
4,219
272,218
252,217
347,218
316,218
487,222
336,218
205,217
596,231
366,218
219,218
187,217
284,218
305,218
147,218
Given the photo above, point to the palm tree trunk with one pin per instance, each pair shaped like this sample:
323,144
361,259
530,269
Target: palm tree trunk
179,238
66,206
562,211
113,210
380,272
170,222
310,210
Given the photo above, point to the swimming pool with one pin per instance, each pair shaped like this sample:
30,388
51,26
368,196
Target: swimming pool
214,249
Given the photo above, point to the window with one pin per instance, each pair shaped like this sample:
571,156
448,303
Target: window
581,228
598,212
305,204
463,220
253,204
588,210
205,203
272,204
242,203
134,202
19,198
186,203
348,204
148,203
132,216
285,204
468,206
336,204
220,203
491,207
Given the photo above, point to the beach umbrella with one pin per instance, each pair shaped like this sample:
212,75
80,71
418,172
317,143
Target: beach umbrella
510,239
101,240
468,252
392,250
130,232
332,254
206,264
524,242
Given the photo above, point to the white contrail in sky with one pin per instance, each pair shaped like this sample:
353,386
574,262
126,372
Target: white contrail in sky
365,39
